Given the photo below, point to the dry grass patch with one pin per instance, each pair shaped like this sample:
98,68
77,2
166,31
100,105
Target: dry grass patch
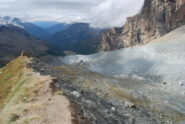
26,95
65,70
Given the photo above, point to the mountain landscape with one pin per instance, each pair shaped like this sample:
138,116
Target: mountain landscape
76,70
36,31
45,24
29,27
14,40
57,28
78,37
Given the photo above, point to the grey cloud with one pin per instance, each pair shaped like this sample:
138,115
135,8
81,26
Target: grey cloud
100,13
111,13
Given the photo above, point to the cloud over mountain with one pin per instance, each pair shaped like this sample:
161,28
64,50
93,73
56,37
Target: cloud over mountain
101,13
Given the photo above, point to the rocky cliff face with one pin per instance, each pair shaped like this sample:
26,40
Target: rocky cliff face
110,39
156,18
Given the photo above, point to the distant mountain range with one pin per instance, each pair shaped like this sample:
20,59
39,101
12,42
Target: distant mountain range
45,24
14,40
34,30
58,27
17,36
6,20
78,37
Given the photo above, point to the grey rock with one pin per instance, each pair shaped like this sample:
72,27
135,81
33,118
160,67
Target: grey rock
75,93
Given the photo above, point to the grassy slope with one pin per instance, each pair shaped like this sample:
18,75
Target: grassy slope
11,78
18,86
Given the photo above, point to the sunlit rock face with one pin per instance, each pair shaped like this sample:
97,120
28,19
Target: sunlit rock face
156,18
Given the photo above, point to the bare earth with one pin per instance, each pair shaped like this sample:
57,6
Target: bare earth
52,108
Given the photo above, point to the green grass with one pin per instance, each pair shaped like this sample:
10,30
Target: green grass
19,85
10,79
58,92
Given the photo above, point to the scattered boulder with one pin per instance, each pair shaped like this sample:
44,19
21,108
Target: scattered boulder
113,109
75,93
91,104
57,85
131,119
14,117
42,69
181,84
128,104
164,83
54,80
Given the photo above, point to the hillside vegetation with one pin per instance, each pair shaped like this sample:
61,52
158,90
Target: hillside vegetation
26,96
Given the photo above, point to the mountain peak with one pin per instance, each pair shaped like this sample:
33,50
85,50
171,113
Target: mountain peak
7,20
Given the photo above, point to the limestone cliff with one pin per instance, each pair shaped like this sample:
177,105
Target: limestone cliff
156,18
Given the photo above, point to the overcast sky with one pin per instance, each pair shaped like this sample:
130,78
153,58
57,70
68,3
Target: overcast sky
101,13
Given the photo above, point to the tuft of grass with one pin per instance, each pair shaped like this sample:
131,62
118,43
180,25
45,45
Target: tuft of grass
13,118
122,94
67,53
118,92
64,70
59,92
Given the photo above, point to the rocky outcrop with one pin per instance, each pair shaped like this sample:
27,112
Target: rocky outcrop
110,39
156,18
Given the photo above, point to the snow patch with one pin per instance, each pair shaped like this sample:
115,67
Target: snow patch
6,20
